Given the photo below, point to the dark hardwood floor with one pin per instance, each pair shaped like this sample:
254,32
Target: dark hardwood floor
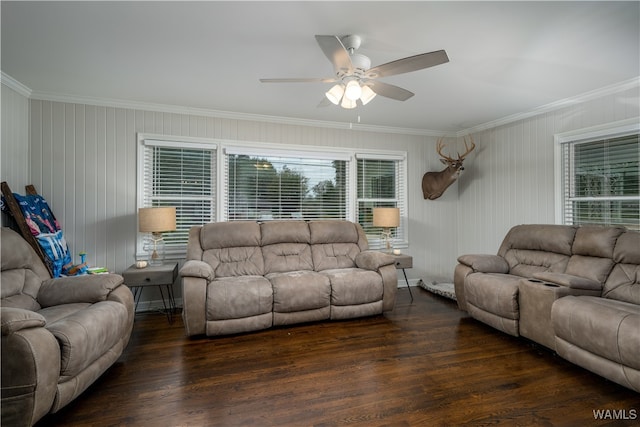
424,364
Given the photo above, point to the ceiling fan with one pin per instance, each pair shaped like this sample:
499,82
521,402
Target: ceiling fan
355,80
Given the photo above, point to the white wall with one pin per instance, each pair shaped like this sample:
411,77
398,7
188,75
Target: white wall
510,178
14,139
84,163
82,158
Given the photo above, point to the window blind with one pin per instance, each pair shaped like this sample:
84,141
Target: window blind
601,182
266,187
184,178
381,183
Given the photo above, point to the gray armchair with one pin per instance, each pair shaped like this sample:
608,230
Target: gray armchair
58,335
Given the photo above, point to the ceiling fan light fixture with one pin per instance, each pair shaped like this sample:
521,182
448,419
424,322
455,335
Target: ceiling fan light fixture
367,95
335,94
348,103
353,91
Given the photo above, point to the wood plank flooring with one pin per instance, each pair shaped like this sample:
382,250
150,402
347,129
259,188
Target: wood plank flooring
424,364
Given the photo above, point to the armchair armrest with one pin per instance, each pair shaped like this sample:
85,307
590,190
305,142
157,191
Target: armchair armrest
89,288
16,319
373,260
195,268
485,263
569,281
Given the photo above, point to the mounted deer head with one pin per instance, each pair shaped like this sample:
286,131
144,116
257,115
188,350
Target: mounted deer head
435,183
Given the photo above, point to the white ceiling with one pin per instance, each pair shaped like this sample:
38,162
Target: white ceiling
506,58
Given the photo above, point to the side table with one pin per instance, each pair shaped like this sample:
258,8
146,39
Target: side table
160,275
402,262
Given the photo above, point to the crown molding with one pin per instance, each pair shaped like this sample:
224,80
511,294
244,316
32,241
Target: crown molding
165,108
556,105
220,114
12,83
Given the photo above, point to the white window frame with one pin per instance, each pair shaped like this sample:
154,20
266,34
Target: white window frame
401,199
148,139
594,133
225,147
276,150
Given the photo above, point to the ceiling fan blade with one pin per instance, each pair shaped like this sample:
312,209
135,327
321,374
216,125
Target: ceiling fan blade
336,52
302,80
406,65
390,91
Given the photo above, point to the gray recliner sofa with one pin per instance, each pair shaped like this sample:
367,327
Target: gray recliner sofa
245,276
58,335
573,289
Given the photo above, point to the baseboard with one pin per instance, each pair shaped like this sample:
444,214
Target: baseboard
412,282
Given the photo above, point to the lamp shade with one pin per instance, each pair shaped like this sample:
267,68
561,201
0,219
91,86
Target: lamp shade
367,95
347,103
335,94
156,220
353,90
386,217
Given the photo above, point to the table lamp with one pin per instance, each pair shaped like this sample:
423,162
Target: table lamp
156,221
387,218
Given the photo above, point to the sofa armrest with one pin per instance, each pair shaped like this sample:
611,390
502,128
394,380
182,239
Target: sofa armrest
569,281
16,319
195,268
88,288
373,260
30,367
485,263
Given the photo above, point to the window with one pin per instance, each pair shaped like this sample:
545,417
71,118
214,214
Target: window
600,178
269,186
381,183
180,174
213,180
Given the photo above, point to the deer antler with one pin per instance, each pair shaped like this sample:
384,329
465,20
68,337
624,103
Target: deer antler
439,148
466,147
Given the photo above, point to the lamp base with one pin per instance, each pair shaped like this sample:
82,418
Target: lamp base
388,242
155,247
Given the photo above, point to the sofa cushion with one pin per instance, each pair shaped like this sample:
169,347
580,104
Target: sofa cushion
20,288
85,333
601,326
334,255
58,312
596,241
353,286
335,244
299,291
281,257
623,283
238,297
539,237
527,262
218,235
285,232
590,267
235,261
333,232
627,250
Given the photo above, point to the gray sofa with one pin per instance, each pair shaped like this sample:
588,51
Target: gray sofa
58,335
573,289
245,276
